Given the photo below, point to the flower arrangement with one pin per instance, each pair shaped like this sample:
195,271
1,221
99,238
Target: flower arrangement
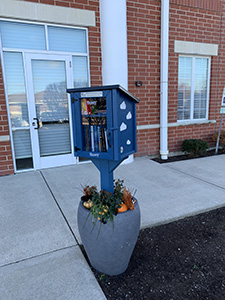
103,205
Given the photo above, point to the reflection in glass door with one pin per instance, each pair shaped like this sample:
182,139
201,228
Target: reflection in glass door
52,116
49,110
17,100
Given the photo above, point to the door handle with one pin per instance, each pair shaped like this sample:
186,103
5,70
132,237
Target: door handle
37,124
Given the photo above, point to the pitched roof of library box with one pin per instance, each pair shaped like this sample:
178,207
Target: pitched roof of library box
101,88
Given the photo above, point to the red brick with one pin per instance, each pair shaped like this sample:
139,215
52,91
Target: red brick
50,2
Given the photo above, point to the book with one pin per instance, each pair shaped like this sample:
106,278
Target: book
106,139
88,106
99,142
87,139
92,138
96,147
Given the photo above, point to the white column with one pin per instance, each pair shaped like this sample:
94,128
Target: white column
114,42
113,20
164,79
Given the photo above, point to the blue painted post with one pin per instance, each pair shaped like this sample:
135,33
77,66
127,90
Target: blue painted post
106,177
106,169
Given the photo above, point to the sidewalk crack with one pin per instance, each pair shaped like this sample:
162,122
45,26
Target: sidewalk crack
60,209
38,255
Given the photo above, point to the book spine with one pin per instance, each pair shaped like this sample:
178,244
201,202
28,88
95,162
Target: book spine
102,139
84,106
106,140
99,142
96,138
92,139
84,136
87,138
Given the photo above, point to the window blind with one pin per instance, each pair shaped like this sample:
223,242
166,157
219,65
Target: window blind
22,145
192,88
200,89
15,85
51,103
184,88
67,39
22,35
80,71
54,139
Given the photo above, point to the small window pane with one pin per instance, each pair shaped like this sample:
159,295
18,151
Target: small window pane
200,93
184,88
22,36
15,85
67,39
22,145
80,71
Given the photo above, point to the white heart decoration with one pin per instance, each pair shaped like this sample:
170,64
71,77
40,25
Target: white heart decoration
123,127
129,116
123,105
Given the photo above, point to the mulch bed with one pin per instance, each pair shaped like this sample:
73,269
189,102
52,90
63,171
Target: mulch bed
183,260
186,156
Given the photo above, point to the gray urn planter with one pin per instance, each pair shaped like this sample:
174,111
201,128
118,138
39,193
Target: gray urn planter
109,250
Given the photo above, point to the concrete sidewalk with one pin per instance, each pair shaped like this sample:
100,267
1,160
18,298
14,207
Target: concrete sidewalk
39,253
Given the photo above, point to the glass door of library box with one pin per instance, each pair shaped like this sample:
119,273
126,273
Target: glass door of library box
93,124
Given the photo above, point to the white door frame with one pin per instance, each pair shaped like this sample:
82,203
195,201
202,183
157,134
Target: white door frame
55,160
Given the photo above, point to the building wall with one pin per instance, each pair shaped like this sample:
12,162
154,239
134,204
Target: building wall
201,25
143,34
190,20
6,162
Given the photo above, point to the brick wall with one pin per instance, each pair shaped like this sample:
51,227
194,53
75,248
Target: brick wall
6,164
143,25
196,25
196,21
190,20
214,5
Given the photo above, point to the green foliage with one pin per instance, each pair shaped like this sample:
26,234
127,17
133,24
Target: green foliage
105,204
118,190
194,146
102,276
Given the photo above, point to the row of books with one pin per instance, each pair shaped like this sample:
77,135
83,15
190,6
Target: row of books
95,138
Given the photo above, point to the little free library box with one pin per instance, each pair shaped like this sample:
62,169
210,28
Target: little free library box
104,127
104,122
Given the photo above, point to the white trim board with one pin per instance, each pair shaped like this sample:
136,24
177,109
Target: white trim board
46,13
187,123
4,138
183,47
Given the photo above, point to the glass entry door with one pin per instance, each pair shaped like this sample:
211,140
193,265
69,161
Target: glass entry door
49,77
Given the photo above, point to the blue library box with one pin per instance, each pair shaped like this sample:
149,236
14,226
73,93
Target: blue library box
104,122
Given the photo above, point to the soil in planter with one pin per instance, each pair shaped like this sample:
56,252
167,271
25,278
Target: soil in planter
185,157
183,260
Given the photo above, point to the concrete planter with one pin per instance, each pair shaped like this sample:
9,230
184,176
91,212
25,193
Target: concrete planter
109,251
